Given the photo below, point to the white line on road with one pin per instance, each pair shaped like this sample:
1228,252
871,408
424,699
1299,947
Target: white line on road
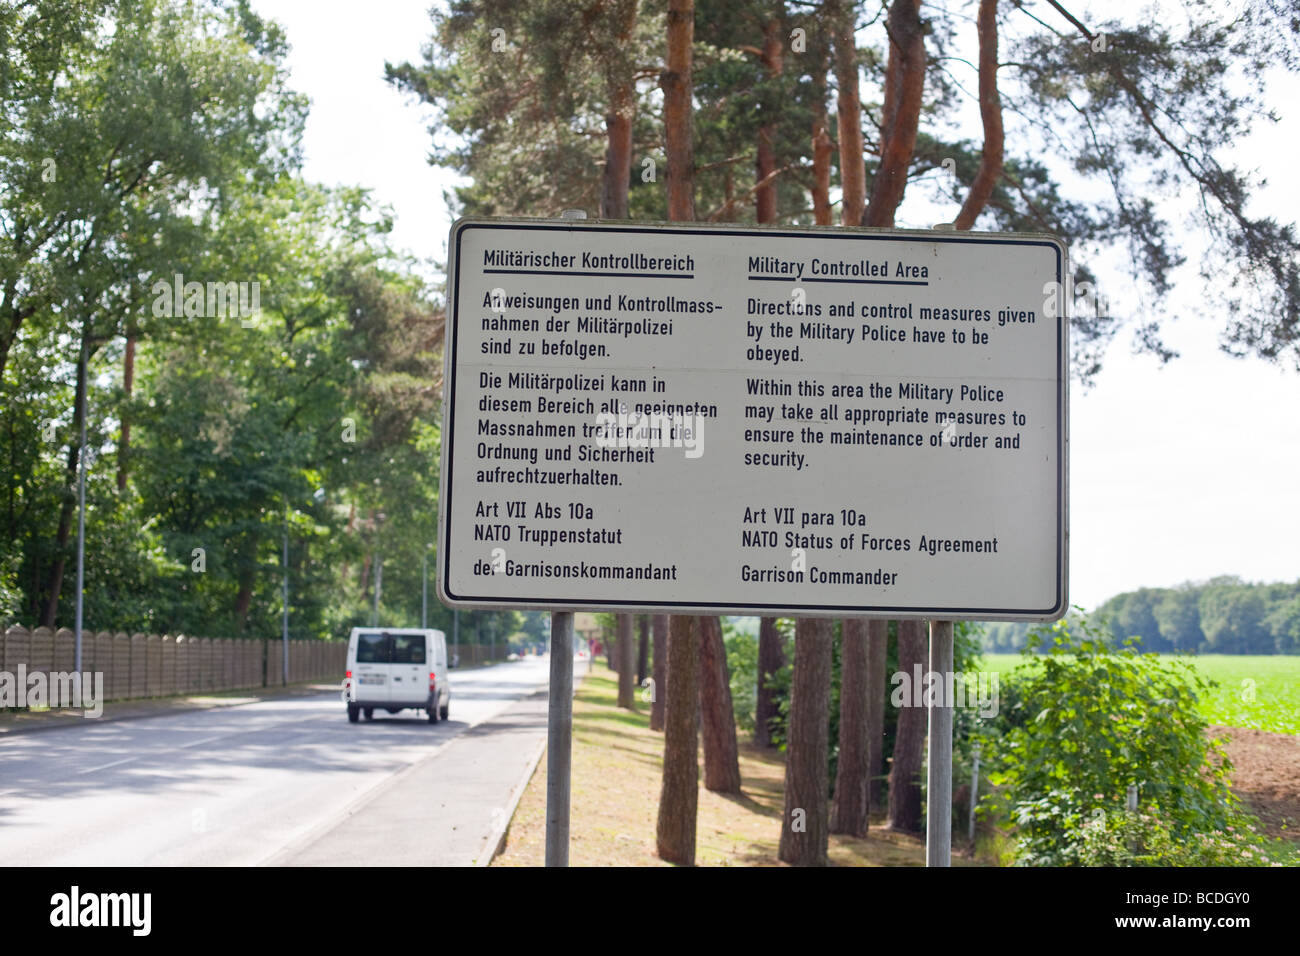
105,766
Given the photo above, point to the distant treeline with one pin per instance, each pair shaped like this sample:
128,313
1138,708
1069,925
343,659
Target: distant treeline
1224,615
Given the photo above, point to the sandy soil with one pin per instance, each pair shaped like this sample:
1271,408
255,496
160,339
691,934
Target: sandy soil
1266,774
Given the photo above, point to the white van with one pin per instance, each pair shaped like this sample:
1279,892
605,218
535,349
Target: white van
395,668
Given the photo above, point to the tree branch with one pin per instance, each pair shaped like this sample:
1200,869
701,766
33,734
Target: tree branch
990,168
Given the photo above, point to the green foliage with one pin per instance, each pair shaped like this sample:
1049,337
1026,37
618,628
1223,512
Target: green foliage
1222,616
779,682
1083,721
172,146
742,671
1120,838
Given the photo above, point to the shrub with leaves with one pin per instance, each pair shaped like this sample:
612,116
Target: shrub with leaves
1148,839
1082,723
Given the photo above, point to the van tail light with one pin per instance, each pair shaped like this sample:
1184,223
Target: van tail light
432,682
348,675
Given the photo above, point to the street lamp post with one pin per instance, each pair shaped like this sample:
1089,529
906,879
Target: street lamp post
424,588
284,623
379,568
81,505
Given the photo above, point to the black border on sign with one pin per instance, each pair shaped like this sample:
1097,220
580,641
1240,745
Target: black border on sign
886,611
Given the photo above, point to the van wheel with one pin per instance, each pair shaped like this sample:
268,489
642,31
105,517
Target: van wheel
433,715
353,713
370,713
445,707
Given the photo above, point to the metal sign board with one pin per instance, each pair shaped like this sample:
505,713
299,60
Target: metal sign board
702,419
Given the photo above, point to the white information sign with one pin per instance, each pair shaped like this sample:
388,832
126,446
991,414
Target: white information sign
711,420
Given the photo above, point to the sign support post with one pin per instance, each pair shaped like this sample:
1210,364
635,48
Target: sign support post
559,739
938,795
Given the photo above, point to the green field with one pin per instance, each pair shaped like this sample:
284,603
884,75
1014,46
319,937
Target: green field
1259,692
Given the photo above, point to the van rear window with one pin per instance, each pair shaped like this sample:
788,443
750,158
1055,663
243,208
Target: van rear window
408,648
380,647
374,648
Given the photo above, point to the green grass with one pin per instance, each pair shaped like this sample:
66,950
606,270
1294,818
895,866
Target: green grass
1255,691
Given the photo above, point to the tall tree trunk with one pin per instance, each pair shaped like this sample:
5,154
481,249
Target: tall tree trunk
990,170
658,679
618,152
128,385
851,805
620,94
643,648
717,718
771,658
848,108
54,584
765,163
909,739
626,666
679,796
243,599
821,143
877,646
901,111
679,137
804,833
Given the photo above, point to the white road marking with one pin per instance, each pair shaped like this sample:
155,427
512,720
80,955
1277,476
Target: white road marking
105,766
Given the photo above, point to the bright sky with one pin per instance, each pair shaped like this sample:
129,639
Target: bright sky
1179,472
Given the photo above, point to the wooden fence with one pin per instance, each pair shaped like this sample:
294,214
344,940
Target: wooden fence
153,665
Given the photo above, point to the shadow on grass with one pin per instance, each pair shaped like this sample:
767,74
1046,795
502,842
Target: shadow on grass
618,716
743,799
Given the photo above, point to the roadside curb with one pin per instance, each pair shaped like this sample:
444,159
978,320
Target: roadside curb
496,841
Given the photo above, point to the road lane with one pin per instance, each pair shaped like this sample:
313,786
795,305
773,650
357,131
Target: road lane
228,786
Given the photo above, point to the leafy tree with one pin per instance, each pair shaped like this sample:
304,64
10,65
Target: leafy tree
119,143
1232,617
1133,614
1178,615
1283,623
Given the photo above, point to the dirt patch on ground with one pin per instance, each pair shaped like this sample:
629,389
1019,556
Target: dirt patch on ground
1266,775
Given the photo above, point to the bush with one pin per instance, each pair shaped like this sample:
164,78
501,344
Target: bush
1083,722
1148,839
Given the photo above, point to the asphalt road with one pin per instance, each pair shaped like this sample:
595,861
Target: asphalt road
274,782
